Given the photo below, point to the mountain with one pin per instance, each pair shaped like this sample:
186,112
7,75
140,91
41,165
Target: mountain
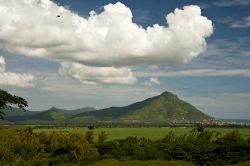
57,114
78,111
162,108
15,114
12,111
53,114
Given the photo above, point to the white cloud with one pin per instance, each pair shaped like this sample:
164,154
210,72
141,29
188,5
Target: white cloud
227,3
14,79
235,23
244,23
198,73
105,39
2,64
94,75
152,81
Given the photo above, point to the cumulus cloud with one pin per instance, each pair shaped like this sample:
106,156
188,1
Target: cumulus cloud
152,81
106,39
14,79
198,73
94,75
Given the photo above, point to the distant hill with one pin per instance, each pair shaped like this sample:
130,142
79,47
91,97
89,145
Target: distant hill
165,107
53,114
16,114
78,111
57,114
12,111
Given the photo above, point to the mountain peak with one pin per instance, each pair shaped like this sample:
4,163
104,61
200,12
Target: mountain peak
168,94
53,108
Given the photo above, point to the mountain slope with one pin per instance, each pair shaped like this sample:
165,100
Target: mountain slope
16,114
53,114
166,106
78,111
12,111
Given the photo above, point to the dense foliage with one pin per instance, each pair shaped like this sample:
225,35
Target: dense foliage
7,99
200,146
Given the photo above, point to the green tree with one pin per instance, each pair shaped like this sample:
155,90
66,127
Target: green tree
7,99
102,137
89,136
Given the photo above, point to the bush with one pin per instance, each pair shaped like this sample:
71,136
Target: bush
102,137
89,136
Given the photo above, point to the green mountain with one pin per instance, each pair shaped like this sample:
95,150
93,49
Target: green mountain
162,108
16,114
78,111
53,114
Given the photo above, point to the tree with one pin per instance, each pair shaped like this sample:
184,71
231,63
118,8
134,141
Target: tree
199,127
7,99
89,136
91,127
102,137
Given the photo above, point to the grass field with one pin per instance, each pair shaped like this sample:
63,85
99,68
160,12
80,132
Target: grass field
152,133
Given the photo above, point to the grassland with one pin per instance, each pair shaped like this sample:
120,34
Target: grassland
152,133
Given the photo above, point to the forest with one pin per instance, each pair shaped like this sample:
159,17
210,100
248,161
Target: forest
22,146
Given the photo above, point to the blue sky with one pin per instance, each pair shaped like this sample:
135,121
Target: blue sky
217,80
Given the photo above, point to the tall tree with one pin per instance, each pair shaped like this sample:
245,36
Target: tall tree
7,99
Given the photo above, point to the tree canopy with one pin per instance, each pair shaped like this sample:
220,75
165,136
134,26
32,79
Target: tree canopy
7,99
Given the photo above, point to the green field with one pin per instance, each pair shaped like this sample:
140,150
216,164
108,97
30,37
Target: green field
152,133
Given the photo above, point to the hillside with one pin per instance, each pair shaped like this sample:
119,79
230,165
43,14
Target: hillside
53,114
16,114
165,107
78,111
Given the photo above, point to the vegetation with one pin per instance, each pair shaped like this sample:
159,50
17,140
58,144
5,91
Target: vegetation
89,136
102,137
21,146
7,99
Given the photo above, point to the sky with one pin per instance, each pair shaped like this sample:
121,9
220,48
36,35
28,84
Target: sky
77,53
